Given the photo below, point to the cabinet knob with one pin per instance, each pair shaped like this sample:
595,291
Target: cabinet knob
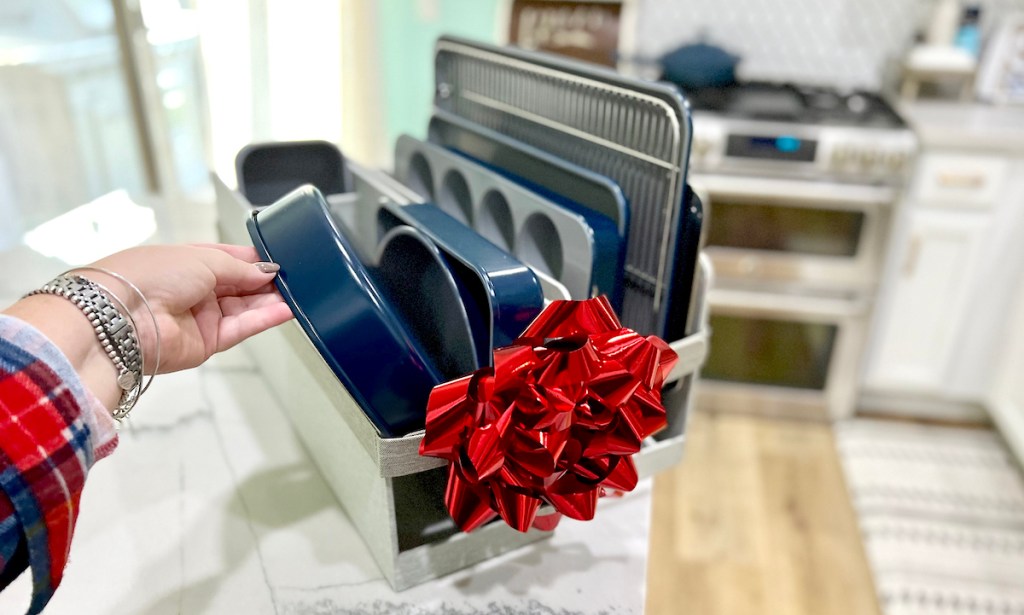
961,180
913,252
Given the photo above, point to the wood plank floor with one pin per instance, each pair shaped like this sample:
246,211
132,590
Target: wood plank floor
756,519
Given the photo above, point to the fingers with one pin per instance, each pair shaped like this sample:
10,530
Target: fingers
208,317
244,317
232,291
245,253
236,306
219,323
234,272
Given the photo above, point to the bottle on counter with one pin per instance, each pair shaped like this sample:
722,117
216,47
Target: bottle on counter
968,36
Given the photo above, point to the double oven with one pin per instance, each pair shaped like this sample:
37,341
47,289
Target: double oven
801,185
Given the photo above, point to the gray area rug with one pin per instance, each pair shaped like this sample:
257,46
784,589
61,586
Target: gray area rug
941,511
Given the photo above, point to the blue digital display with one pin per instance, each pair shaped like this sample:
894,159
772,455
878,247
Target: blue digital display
778,147
787,144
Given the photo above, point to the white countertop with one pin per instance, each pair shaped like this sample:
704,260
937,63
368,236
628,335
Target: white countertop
966,126
211,505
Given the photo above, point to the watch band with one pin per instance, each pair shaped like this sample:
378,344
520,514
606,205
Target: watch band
114,328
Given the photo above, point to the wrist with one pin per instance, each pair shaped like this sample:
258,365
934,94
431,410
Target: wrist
130,297
69,329
115,285
112,325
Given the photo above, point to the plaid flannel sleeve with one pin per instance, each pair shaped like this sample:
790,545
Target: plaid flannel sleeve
51,432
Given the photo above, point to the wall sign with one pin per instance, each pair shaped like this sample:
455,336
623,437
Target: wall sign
583,30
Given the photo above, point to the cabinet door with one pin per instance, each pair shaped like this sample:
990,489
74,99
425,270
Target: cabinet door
1006,402
925,300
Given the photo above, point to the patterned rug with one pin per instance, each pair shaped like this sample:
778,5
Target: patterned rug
941,511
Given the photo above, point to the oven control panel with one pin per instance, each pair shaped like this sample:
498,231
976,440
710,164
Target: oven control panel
850,154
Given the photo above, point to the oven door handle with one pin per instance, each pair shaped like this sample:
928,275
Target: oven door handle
774,305
795,192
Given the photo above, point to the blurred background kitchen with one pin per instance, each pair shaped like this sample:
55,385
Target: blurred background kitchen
860,424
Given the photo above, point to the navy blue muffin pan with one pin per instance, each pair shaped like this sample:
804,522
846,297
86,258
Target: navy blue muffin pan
541,171
359,316
578,248
570,186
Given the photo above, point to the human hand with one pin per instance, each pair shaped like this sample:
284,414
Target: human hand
205,298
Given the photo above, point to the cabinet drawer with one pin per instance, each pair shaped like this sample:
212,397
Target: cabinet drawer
954,180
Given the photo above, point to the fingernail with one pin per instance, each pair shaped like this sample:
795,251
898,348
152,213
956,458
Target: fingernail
268,267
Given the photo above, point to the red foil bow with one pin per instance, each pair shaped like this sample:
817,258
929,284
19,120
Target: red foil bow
555,421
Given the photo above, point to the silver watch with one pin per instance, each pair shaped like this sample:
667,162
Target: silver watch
115,329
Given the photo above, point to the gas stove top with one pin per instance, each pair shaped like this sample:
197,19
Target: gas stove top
804,132
798,104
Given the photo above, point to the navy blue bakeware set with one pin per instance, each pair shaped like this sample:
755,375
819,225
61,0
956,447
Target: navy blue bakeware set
437,287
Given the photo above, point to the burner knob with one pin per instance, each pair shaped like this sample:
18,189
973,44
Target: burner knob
868,158
840,156
701,147
857,104
897,161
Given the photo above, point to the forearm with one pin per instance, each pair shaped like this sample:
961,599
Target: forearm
188,302
51,432
69,329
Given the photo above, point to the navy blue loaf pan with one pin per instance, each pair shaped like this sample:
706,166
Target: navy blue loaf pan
339,305
503,292
413,276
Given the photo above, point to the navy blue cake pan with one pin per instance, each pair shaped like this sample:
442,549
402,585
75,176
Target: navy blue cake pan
346,316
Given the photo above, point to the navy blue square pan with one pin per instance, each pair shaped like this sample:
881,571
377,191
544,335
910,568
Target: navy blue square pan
268,171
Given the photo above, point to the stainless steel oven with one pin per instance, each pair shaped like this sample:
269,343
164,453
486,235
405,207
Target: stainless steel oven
808,235
801,184
782,354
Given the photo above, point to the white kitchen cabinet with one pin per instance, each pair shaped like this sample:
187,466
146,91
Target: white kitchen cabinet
955,259
1006,403
960,180
925,306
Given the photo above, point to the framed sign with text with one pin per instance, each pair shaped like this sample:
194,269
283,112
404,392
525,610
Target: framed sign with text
583,30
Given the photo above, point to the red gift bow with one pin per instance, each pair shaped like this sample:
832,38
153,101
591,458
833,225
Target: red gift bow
555,421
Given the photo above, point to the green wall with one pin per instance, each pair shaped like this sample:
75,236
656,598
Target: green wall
408,31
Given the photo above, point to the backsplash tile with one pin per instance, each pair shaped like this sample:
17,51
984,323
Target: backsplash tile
843,43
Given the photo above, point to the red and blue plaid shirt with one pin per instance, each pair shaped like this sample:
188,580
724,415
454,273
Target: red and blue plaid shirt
51,432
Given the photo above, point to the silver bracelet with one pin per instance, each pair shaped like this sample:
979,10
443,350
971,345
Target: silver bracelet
115,328
145,302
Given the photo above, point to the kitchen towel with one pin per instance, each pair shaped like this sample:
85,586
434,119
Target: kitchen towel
941,512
